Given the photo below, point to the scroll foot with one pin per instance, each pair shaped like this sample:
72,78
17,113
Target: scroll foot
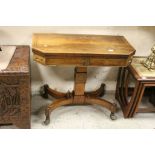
113,116
44,91
47,120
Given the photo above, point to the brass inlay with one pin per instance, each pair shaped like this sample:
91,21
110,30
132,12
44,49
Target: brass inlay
149,62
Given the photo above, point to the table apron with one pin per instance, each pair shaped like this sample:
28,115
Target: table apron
82,61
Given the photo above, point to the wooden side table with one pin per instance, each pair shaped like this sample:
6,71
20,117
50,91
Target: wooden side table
80,51
144,79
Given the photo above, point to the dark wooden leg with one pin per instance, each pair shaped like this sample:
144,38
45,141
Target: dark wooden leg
120,89
55,105
126,107
117,94
137,100
46,90
123,90
126,86
131,105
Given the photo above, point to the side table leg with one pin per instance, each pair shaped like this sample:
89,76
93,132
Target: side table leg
54,105
137,100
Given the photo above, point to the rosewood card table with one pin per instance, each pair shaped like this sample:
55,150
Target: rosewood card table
80,51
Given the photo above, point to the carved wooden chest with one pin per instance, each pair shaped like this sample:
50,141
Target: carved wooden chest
15,107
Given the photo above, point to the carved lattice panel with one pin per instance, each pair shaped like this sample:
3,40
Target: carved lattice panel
9,98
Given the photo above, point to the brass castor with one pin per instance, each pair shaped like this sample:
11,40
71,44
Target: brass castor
113,116
46,122
44,91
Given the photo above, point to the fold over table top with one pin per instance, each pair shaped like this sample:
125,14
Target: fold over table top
81,49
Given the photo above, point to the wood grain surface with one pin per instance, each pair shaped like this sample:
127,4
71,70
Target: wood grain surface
81,49
81,44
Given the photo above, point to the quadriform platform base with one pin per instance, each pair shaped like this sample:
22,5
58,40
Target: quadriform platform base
78,96
80,51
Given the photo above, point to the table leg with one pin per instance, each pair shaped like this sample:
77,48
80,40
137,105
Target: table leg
137,100
78,96
89,98
55,105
